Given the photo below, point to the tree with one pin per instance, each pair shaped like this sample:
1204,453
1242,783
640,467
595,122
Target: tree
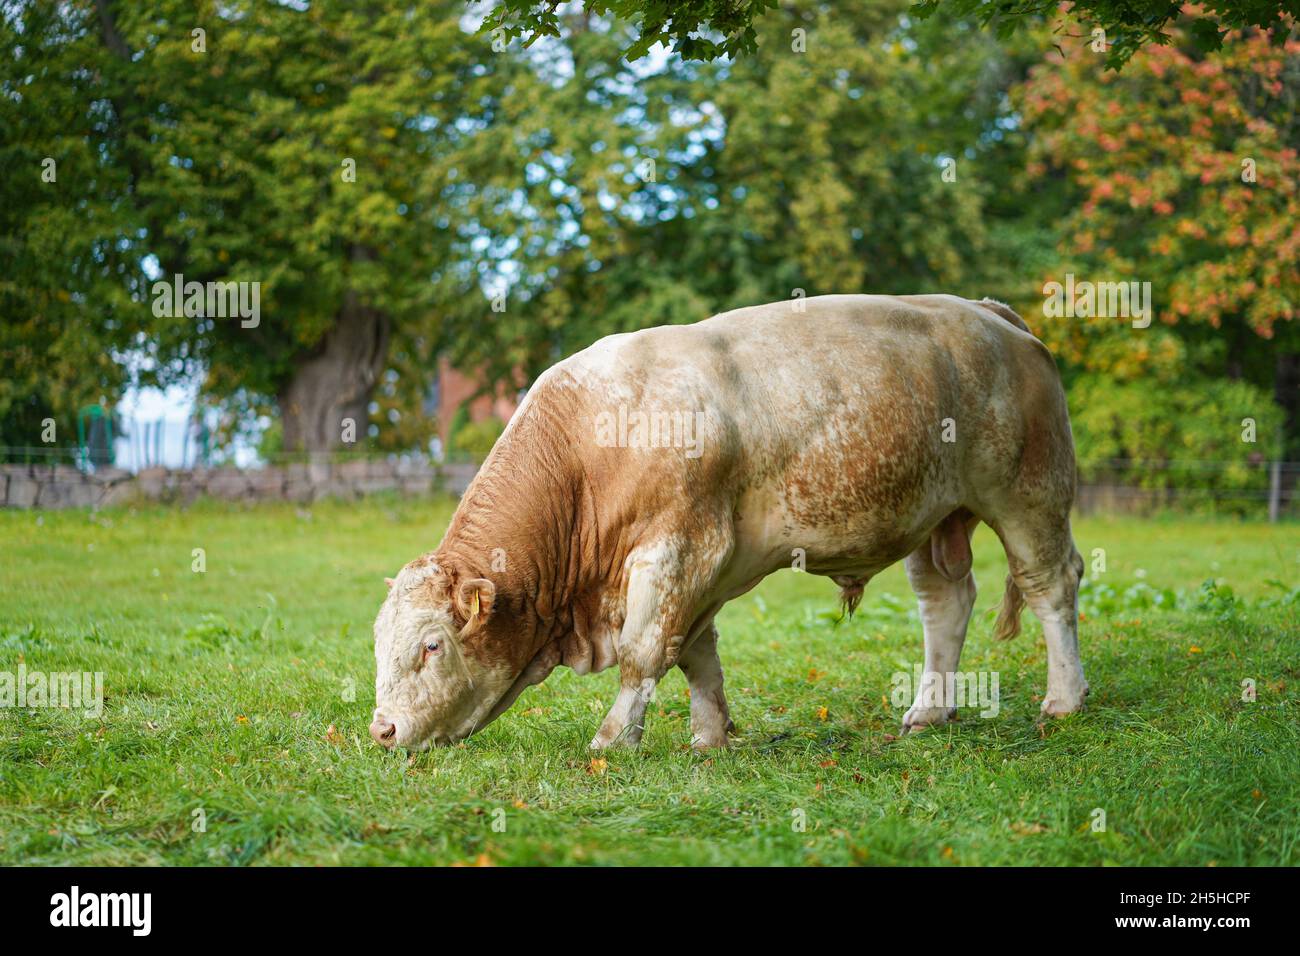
61,265
854,156
1130,25
710,29
588,180
1182,172
683,25
853,152
320,156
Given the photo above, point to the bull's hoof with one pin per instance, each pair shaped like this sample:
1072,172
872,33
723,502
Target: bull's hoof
627,737
919,718
709,741
1060,703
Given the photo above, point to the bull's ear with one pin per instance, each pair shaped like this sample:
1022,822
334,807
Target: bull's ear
390,582
474,599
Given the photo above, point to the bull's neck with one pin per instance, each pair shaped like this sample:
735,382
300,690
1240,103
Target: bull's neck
516,526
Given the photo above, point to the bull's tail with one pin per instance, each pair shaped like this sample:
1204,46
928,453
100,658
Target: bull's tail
1007,625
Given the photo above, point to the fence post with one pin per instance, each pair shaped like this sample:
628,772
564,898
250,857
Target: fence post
1275,492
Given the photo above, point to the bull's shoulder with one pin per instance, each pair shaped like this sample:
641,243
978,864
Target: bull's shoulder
623,364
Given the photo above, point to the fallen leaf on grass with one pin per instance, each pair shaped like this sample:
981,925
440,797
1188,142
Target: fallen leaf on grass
1024,829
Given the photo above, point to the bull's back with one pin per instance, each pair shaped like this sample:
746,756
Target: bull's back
851,425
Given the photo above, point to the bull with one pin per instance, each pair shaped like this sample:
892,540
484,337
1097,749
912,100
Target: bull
651,478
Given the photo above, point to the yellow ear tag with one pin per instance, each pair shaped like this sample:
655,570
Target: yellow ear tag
473,605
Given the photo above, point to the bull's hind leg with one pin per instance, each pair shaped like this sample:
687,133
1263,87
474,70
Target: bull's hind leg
710,718
1047,568
946,606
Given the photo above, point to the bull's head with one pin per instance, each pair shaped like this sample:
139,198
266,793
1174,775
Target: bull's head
432,685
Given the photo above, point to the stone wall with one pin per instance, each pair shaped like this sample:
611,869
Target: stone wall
64,486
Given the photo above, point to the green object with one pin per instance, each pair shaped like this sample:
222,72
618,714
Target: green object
90,414
475,439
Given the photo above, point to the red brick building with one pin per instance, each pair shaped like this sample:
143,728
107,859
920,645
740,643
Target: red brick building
454,387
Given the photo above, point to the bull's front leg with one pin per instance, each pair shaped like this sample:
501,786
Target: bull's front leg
660,606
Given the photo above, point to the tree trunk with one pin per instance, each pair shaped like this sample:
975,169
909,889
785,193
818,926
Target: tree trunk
335,382
1286,392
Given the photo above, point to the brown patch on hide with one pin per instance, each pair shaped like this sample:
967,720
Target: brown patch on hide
1036,452
532,504
879,462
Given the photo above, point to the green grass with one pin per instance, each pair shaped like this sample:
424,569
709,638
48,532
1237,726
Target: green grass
221,688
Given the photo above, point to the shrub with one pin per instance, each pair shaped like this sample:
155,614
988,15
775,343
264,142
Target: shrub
475,439
1183,436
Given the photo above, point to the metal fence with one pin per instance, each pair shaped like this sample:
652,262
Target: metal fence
1259,487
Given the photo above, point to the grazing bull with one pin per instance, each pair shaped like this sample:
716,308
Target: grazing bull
648,480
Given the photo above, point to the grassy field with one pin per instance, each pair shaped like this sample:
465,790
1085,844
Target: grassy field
237,701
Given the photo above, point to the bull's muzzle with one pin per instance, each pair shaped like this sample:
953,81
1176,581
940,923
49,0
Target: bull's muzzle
384,732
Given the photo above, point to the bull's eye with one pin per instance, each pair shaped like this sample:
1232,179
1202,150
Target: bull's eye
432,648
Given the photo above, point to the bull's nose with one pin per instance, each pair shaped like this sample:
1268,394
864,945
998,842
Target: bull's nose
384,732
